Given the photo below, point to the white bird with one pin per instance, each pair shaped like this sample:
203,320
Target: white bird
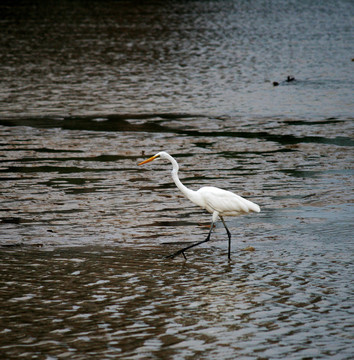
217,202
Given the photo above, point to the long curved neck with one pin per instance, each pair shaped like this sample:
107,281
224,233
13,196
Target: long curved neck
187,192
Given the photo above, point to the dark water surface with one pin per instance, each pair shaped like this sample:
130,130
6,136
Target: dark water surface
90,89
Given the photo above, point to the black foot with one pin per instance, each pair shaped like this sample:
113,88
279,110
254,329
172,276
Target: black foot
189,247
172,256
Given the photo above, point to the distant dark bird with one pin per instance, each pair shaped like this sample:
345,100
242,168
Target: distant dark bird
290,78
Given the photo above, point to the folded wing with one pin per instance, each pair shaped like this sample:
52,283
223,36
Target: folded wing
225,202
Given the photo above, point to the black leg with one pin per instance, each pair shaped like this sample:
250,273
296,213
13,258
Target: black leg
229,235
190,246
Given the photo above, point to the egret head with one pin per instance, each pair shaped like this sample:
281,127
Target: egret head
161,154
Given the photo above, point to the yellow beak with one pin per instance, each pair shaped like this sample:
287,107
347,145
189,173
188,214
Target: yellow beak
148,160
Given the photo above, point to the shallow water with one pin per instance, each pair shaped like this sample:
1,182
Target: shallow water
88,92
276,302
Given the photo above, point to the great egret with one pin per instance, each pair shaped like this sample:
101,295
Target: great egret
217,202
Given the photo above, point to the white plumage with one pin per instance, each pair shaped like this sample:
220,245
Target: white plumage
217,202
225,202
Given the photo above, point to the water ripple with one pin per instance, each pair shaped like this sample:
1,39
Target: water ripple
88,92
268,300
